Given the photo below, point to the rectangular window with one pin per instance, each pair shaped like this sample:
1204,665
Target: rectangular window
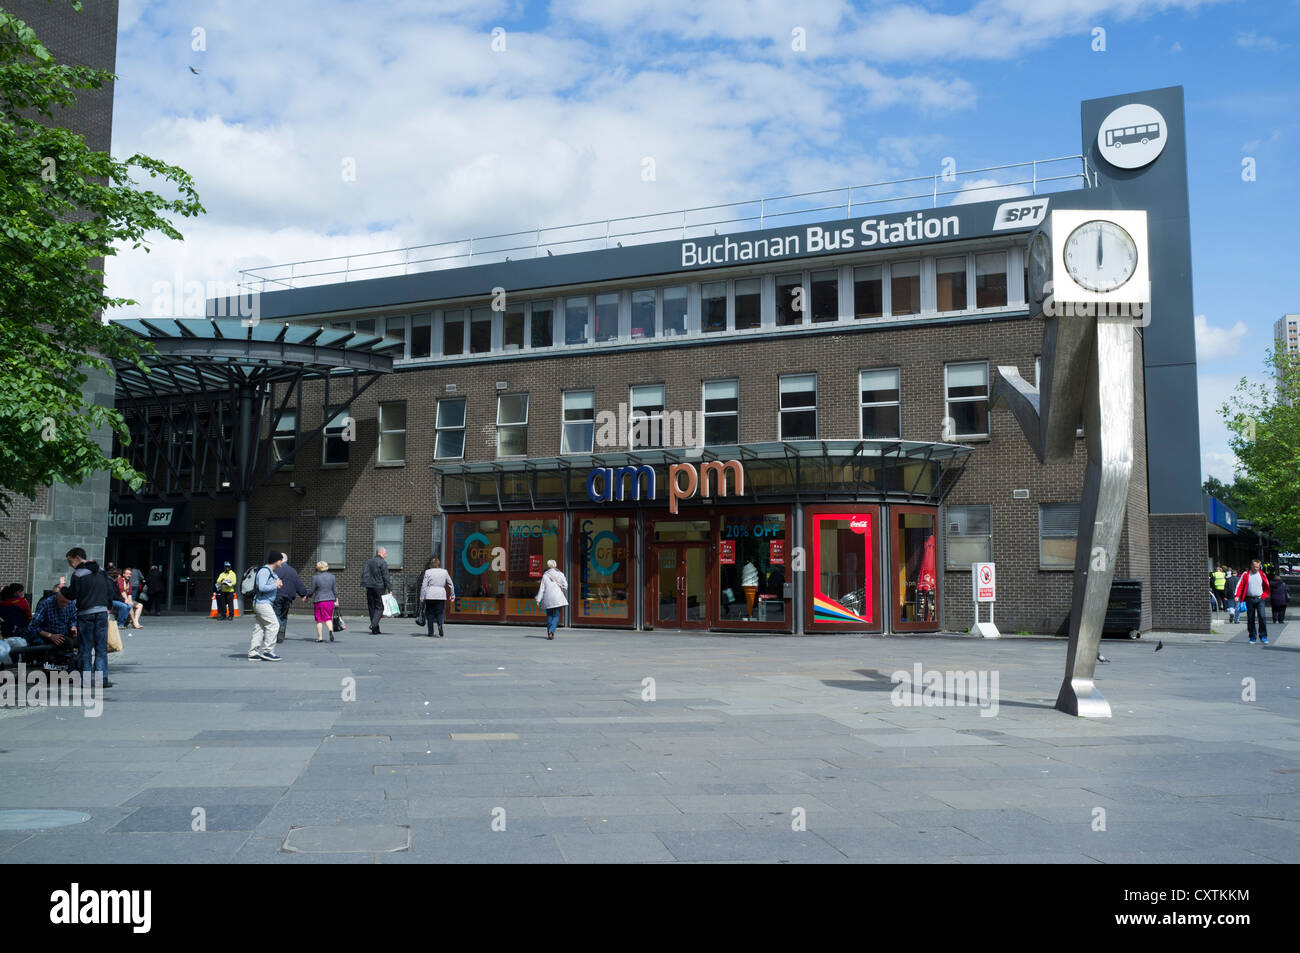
1058,530
480,331
968,399
421,335
789,300
749,303
286,437
721,413
868,292
390,531
970,535
395,328
905,287
579,432
512,425
453,333
575,320
799,407
450,442
605,569
647,415
542,326
825,288
277,536
512,330
713,306
950,284
366,326
881,411
334,450
991,280
606,317
392,432
643,315
332,541
676,304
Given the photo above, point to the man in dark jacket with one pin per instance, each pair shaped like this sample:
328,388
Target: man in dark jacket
92,591
375,579
157,590
292,589
1278,598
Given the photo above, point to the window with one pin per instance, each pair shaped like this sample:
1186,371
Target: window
421,335
643,315
950,284
366,326
389,534
579,433
970,535
676,305
991,280
575,320
881,412
453,333
277,536
512,425
607,317
395,327
392,432
285,440
647,415
825,287
968,399
450,442
334,449
480,331
799,407
905,287
789,300
332,542
868,292
512,330
749,303
542,326
721,412
1058,528
713,306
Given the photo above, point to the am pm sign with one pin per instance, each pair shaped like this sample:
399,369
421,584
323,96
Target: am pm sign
983,581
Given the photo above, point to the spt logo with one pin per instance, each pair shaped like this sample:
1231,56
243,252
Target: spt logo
160,517
1025,213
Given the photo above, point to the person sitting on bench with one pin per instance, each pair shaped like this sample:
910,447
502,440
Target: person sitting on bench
53,621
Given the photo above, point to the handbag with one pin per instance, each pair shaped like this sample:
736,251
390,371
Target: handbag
337,623
419,613
114,637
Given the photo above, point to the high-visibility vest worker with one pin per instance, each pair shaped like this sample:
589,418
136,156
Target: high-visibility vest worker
1220,579
227,581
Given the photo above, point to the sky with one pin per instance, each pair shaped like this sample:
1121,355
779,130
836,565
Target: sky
321,128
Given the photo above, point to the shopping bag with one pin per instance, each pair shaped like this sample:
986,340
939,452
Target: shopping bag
390,605
114,637
337,622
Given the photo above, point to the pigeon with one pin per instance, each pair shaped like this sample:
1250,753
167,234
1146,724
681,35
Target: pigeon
194,71
1159,645
1102,658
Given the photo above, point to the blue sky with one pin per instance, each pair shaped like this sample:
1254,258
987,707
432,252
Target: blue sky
450,138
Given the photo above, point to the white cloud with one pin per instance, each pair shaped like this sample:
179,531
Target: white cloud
985,190
1213,343
1176,48
1253,41
1221,466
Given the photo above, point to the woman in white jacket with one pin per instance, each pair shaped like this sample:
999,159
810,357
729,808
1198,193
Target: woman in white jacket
435,589
550,596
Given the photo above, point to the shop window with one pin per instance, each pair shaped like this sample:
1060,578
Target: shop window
646,416
713,306
991,280
825,289
969,537
843,580
905,288
453,333
579,433
336,441
968,399
512,330
881,410
868,292
392,432
332,541
606,317
450,441
390,532
512,425
532,541
798,407
913,578
749,303
480,589
421,335
676,305
643,315
789,300
1058,530
575,320
480,331
721,413
752,568
542,325
605,552
950,284
285,440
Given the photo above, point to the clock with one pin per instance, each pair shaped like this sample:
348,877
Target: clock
1100,256
1040,264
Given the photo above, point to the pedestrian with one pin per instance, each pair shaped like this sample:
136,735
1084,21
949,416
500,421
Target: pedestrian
377,583
435,589
266,585
157,590
324,596
293,589
1219,580
1233,579
1253,591
1278,596
550,596
15,610
92,591
226,583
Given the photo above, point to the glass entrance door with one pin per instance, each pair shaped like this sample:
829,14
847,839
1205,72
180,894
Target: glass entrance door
681,580
913,580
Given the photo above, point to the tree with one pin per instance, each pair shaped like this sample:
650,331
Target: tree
1265,424
63,209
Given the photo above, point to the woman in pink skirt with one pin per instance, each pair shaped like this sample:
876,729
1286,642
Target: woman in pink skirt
324,596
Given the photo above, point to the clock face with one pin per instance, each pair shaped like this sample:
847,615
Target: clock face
1040,260
1100,256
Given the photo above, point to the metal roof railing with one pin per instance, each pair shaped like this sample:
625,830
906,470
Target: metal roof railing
1034,177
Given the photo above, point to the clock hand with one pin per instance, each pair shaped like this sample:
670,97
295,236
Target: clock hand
1098,248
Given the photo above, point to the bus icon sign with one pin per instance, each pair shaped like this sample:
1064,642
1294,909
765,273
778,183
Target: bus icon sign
1132,136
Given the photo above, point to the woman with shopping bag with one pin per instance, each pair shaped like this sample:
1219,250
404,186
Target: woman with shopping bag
551,596
436,589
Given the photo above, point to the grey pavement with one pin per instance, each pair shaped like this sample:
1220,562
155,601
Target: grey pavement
495,745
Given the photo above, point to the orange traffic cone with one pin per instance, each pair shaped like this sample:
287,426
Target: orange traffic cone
213,613
235,603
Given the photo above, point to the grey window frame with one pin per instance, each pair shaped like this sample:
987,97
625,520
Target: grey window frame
440,429
320,541
387,542
1058,534
518,425
950,536
379,451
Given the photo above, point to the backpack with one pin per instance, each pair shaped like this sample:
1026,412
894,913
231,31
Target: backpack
250,580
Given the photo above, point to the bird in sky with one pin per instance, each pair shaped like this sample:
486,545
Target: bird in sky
194,71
